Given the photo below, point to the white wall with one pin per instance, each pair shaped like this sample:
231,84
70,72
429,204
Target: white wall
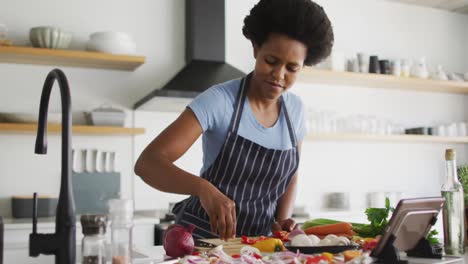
390,30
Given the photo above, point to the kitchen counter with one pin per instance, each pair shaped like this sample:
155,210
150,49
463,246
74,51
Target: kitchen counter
156,255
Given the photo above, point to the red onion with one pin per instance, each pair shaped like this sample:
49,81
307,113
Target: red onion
294,233
178,241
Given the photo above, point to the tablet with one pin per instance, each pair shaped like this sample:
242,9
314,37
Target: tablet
411,221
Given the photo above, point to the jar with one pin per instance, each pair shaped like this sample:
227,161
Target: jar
121,214
93,245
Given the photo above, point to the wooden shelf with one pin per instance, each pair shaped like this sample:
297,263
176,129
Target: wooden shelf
76,130
311,75
386,138
73,58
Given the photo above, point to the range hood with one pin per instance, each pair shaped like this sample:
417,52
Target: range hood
205,52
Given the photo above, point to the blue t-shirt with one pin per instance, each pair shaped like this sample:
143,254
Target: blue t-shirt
215,106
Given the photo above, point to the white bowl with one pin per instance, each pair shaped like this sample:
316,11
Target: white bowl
107,117
110,35
49,37
111,42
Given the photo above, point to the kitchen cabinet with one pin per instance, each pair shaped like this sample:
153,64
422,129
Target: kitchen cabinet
73,58
77,130
372,80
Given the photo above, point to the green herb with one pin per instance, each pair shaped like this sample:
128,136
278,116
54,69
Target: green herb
378,218
431,237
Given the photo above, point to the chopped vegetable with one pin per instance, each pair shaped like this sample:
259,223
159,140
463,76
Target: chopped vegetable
329,256
315,239
370,244
323,230
283,235
351,254
294,233
250,241
301,241
316,259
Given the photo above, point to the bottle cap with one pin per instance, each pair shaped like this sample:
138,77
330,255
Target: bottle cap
121,211
93,224
449,154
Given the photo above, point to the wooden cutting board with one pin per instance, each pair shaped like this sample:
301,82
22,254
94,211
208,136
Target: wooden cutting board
232,246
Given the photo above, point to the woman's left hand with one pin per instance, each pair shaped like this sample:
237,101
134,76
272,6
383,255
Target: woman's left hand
285,225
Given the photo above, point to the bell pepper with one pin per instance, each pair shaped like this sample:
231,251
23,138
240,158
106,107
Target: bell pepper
269,245
251,241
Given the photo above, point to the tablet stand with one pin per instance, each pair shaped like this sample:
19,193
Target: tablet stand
390,254
424,250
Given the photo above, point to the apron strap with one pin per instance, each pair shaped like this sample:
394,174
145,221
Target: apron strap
239,105
292,133
239,108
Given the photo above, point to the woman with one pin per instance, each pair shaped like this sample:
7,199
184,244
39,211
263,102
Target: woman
252,130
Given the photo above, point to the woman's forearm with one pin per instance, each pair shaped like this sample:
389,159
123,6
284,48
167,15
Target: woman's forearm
286,202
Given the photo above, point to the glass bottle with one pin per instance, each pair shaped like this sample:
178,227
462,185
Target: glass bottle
453,210
93,245
121,213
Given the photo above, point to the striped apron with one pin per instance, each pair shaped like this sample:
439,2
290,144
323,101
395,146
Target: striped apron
252,176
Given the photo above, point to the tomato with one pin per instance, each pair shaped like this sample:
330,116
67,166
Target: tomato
370,245
248,241
236,256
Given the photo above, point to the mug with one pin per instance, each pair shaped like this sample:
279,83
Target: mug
91,155
337,61
374,66
384,66
78,160
406,68
110,161
363,61
353,65
100,161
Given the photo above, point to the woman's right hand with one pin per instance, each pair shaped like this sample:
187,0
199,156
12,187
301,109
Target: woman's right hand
220,209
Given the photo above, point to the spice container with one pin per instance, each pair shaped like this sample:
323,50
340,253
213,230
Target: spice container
121,214
93,247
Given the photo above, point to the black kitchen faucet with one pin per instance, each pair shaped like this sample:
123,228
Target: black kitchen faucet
62,242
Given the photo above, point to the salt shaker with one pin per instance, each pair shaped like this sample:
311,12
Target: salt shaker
121,214
93,246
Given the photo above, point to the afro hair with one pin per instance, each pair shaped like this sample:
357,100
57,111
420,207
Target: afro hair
302,20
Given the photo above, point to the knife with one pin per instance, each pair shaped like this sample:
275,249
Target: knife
200,243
